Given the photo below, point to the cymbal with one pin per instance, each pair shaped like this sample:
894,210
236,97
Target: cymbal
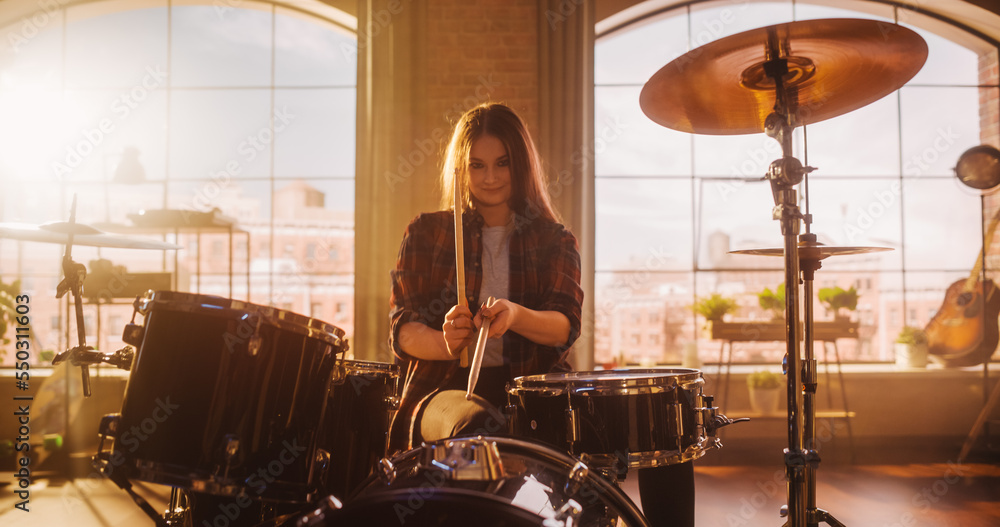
814,251
835,66
83,235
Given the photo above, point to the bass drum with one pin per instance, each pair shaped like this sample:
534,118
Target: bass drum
616,418
482,481
225,398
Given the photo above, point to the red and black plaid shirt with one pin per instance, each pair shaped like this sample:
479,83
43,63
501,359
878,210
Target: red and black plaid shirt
544,276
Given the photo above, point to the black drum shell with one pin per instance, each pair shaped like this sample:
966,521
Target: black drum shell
621,415
363,397
211,371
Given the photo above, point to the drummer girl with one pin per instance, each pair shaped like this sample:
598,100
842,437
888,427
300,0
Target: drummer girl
515,251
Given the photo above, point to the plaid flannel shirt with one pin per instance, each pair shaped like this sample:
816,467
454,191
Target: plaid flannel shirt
544,276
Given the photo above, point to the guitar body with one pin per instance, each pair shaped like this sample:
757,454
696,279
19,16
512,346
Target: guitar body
964,331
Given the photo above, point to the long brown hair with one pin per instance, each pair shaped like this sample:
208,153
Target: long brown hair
529,194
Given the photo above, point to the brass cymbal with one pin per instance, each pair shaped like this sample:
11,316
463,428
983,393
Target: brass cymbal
83,235
814,251
834,66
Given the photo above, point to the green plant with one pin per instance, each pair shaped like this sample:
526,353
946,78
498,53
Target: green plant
714,307
773,301
764,380
912,336
837,298
8,294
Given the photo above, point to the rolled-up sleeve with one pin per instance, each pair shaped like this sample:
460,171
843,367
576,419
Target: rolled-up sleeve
562,282
408,284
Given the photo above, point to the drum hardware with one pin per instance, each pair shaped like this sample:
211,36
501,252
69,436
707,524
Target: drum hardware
816,70
483,480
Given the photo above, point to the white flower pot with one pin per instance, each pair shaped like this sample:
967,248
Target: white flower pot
909,356
765,401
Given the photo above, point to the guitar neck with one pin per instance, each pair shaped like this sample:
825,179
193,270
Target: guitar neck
977,269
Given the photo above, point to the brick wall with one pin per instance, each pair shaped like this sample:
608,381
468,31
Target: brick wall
989,99
478,51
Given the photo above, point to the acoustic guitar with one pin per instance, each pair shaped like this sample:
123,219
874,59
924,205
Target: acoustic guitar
964,330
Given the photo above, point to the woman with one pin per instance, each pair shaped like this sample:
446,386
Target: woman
516,251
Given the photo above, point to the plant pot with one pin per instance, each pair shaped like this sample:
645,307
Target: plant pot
910,356
765,400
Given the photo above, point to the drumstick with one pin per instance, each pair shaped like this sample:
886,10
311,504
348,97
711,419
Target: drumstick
477,357
460,263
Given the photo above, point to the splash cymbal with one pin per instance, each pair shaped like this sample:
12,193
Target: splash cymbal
83,235
834,66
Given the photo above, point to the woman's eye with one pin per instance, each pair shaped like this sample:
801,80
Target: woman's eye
503,162
476,165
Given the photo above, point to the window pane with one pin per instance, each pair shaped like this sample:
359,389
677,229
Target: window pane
643,224
315,133
862,142
935,244
859,212
616,56
740,156
312,52
735,215
32,51
630,307
221,46
221,131
628,143
714,20
125,49
933,141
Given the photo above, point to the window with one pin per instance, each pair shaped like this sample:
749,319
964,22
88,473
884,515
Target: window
884,179
244,111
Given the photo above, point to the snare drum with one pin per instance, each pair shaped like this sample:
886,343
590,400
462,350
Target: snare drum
362,400
483,481
618,418
225,397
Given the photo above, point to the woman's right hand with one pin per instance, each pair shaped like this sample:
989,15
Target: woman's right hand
458,329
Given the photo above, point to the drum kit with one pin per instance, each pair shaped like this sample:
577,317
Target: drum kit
253,416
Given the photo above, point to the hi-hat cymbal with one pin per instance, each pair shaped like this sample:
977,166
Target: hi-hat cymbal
835,66
83,235
814,251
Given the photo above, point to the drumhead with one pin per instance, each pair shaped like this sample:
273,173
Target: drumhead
211,305
608,381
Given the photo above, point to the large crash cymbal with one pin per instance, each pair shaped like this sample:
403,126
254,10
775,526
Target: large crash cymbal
83,235
835,66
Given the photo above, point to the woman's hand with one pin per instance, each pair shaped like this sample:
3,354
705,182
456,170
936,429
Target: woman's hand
458,329
502,311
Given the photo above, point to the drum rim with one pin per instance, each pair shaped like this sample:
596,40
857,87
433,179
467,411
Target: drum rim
281,318
529,448
600,381
364,366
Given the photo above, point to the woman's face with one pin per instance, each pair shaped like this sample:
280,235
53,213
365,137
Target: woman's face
489,172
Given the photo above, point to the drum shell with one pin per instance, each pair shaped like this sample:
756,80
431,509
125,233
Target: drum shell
363,397
213,375
642,417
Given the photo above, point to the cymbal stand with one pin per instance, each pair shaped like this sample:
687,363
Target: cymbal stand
784,174
82,355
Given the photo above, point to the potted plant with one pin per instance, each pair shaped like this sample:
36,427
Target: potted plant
765,391
911,348
773,301
714,308
837,300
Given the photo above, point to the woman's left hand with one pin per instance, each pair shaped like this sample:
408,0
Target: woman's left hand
503,311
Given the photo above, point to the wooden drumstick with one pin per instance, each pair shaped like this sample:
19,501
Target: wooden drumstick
463,355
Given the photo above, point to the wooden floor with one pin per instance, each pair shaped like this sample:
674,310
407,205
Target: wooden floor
910,495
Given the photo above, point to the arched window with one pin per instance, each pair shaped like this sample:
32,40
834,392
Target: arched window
670,205
232,112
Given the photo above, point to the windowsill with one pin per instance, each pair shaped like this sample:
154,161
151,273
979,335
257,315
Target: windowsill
870,368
